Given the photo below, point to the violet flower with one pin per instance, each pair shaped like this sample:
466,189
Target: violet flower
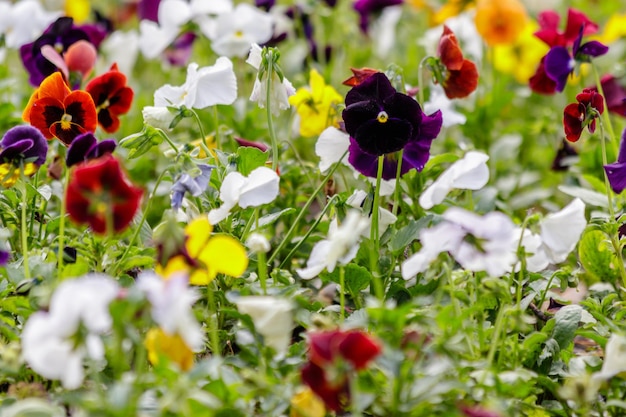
85,147
365,8
23,151
559,64
382,121
193,185
616,172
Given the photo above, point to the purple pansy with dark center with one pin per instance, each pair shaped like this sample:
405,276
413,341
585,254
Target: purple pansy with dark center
616,172
23,144
381,121
85,147
192,185
559,64
60,35
365,8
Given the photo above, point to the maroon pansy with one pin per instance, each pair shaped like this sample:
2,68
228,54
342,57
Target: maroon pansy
577,116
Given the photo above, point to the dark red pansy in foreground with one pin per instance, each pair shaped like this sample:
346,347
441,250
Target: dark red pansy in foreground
111,96
577,116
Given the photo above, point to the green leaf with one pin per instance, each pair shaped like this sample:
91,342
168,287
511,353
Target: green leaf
272,217
590,197
249,158
597,257
408,233
357,278
566,324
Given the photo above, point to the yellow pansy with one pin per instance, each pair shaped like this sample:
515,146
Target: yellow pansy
521,58
614,29
9,173
78,9
160,344
306,404
207,255
316,105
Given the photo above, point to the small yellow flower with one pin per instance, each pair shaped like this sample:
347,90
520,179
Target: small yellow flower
306,404
78,9
316,105
9,173
522,57
213,254
160,344
500,21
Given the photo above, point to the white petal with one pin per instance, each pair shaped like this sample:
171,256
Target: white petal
174,13
159,117
614,357
230,191
216,85
271,317
153,39
317,260
260,188
561,231
471,172
331,146
211,7
254,57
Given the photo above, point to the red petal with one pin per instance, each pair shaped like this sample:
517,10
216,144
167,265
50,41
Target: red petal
359,76
463,82
333,396
323,346
44,113
359,348
540,82
572,122
576,19
81,107
449,51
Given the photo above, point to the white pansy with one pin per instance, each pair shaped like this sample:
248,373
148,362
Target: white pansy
258,188
49,342
385,217
272,318
279,96
121,48
23,22
491,247
614,357
172,301
155,37
159,117
237,30
469,173
340,247
203,87
331,145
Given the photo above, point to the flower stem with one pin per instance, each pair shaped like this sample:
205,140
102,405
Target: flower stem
305,209
375,239
342,295
61,236
268,108
203,143
213,323
605,115
396,190
261,261
24,231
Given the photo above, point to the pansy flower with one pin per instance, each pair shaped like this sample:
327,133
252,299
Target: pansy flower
77,62
367,8
236,30
59,112
316,105
616,172
559,64
382,121
86,147
111,96
23,149
577,116
500,21
60,35
457,75
99,192
192,185
359,75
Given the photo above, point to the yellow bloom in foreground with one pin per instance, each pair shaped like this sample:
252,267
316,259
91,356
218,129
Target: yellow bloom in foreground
316,105
78,9
306,404
160,344
9,173
500,21
210,255
522,57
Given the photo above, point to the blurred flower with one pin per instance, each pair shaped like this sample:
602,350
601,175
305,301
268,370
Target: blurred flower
192,185
437,100
258,243
500,21
306,404
333,357
23,150
98,191
77,62
111,96
204,255
59,35
203,87
521,57
469,173
360,75
79,10
382,121
236,31
55,343
86,147
282,88
559,64
120,48
614,29
179,333
22,22
340,247
577,116
616,172
615,94
316,105
272,318
614,357
367,8
258,188
59,112
457,75
477,411
478,243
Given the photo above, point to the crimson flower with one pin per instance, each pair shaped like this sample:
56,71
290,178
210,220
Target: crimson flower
59,112
99,189
360,75
332,355
111,96
577,116
457,75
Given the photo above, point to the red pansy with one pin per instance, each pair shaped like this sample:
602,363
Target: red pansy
360,75
460,77
112,98
577,116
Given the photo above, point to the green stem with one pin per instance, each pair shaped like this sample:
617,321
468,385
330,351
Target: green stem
396,190
213,334
420,81
342,295
24,231
268,109
261,259
203,143
62,225
375,207
305,209
605,115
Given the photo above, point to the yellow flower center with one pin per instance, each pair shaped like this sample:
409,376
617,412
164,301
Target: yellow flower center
239,34
382,117
66,122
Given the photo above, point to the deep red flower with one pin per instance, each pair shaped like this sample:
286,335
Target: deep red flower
614,94
332,355
99,188
540,82
549,27
360,75
111,96
460,77
577,116
59,112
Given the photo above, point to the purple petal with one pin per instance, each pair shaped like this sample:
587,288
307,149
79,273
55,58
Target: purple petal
616,174
102,148
593,48
621,157
378,138
79,149
431,125
37,150
416,155
367,164
559,64
4,257
377,87
16,150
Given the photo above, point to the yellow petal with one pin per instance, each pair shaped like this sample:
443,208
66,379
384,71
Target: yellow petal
78,9
199,233
160,344
174,265
224,254
306,404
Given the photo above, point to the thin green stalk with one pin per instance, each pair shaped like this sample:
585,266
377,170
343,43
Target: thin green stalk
375,247
268,108
203,143
261,259
24,231
605,115
342,295
304,209
396,196
213,322
61,236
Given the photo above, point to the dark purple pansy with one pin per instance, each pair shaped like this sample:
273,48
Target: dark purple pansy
23,144
382,121
60,35
559,64
265,4
616,172
365,8
4,257
192,185
85,147
149,10
179,52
